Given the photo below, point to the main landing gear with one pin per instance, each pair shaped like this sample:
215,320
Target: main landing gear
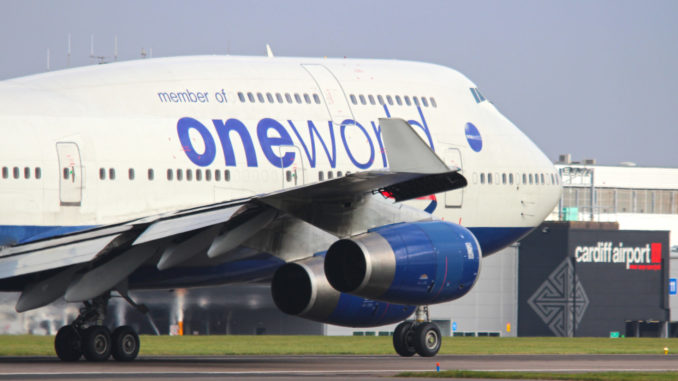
420,336
88,337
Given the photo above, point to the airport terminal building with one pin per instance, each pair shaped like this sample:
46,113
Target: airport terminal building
604,263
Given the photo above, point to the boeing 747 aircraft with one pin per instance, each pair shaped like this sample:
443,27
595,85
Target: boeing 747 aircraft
362,191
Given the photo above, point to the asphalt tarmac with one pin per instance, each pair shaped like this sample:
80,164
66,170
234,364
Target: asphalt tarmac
314,367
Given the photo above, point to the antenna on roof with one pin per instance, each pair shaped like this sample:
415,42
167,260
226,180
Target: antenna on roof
68,52
269,52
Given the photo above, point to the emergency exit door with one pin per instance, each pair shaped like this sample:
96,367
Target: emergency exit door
70,174
452,158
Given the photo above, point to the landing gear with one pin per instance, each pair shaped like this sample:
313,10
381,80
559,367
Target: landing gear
421,336
125,343
87,336
67,344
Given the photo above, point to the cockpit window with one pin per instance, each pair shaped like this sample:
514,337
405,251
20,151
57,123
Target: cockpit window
477,95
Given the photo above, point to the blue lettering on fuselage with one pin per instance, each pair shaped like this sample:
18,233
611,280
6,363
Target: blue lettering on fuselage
272,135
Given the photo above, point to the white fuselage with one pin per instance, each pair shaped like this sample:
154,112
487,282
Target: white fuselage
79,127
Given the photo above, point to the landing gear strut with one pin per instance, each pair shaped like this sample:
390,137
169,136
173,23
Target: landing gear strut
421,336
89,337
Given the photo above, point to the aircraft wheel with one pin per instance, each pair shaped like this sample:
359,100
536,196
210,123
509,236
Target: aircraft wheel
125,346
427,339
96,343
402,339
67,344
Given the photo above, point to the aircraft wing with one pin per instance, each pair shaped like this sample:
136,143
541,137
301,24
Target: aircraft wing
81,266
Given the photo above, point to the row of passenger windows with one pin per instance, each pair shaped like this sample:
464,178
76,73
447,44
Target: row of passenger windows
18,172
527,178
279,98
364,99
178,174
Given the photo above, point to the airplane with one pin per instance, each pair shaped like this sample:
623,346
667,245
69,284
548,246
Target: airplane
361,190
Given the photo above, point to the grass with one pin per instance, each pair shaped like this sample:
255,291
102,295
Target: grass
589,376
26,345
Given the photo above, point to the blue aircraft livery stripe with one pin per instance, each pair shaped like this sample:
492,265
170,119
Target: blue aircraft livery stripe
16,234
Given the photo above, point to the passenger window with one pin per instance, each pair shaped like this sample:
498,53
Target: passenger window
531,178
371,99
416,100
307,98
169,175
380,99
511,178
5,172
250,96
433,102
316,99
542,178
524,178
217,175
321,176
208,175
102,173
482,178
27,173
297,98
489,178
288,175
189,175
407,100
279,97
288,97
503,178
198,175
111,174
269,97
260,97
353,99
16,173
180,175
151,174
227,175
389,100
330,175
362,99
398,100
130,173
38,173
424,101
241,96
338,173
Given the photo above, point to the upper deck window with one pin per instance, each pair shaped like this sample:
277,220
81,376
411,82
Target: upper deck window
354,100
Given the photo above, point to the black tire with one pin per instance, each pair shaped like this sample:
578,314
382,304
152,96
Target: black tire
125,343
402,339
96,343
427,339
67,344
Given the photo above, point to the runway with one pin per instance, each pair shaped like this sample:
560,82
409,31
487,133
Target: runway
312,367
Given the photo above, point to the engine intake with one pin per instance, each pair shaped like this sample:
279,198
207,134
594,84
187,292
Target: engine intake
408,263
301,289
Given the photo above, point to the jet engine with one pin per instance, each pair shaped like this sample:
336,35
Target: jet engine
301,289
407,263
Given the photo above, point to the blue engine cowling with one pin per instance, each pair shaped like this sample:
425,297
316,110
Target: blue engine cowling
408,263
301,289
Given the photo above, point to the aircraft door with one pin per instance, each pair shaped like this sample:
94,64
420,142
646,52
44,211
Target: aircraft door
332,93
293,175
70,174
452,158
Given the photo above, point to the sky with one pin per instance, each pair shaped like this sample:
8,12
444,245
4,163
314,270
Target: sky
597,79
